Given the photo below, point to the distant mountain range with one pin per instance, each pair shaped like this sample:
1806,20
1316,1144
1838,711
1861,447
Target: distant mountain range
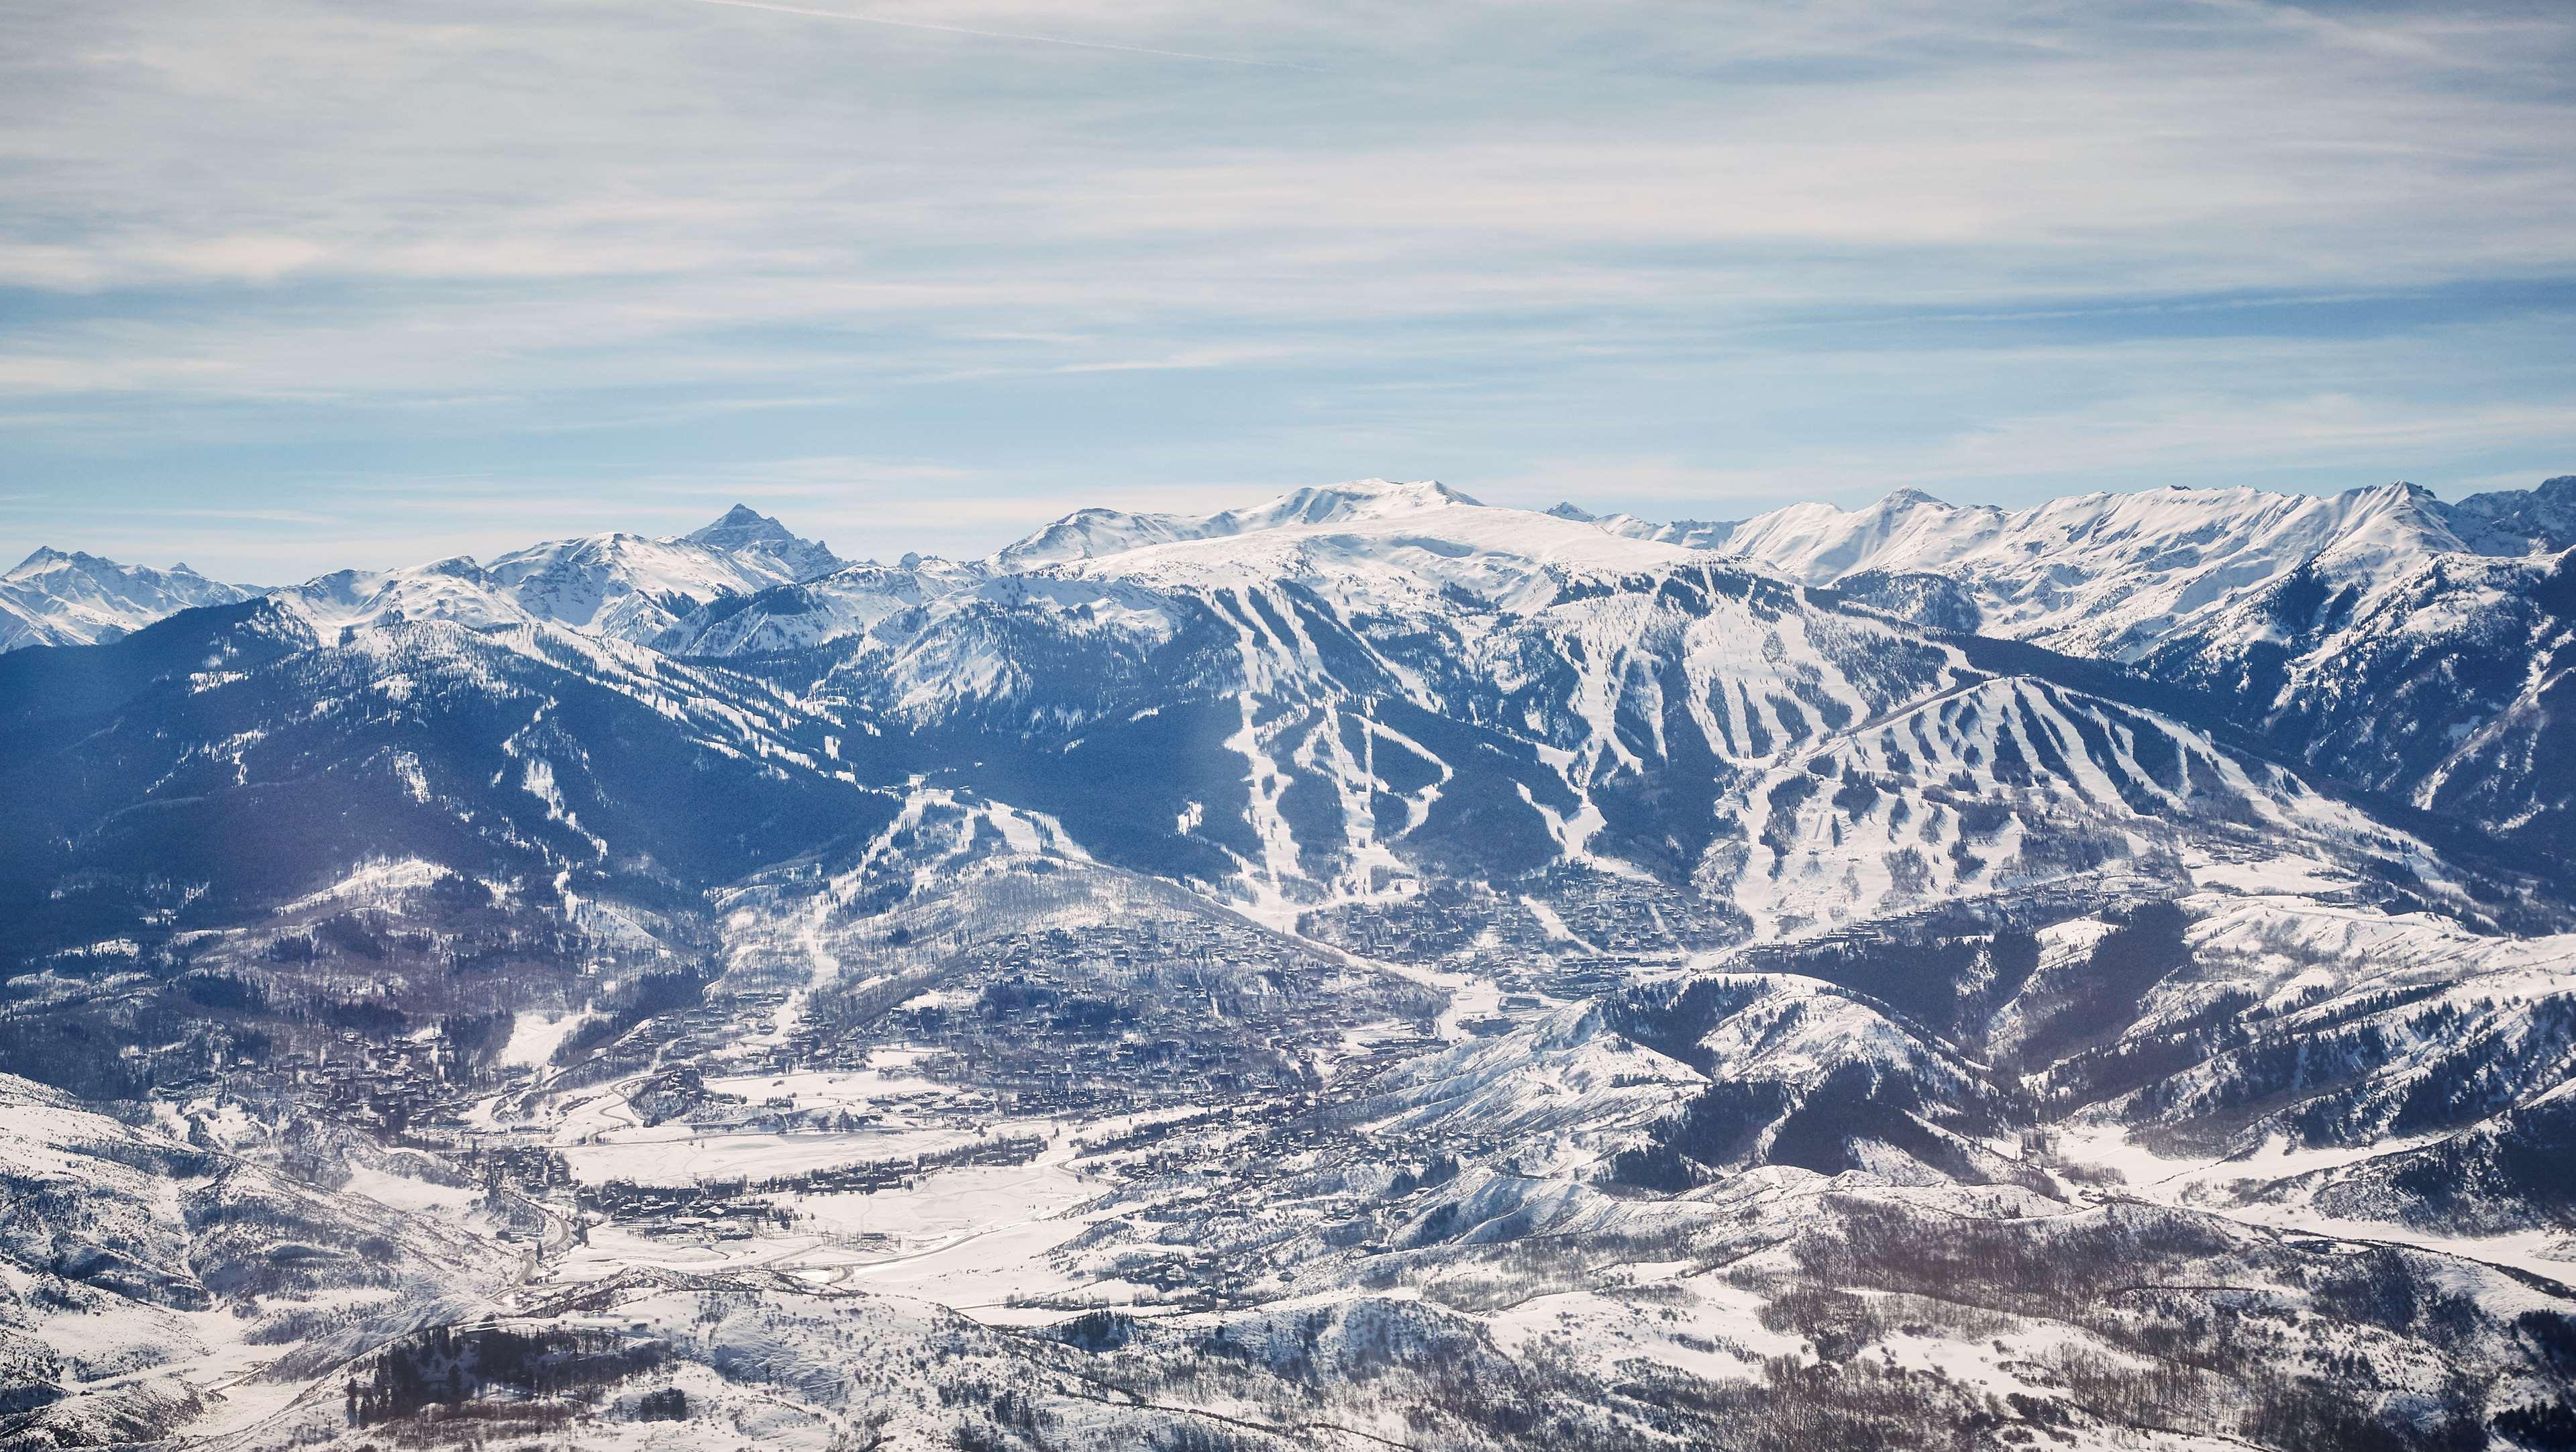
2304,618
2104,574
52,598
1369,968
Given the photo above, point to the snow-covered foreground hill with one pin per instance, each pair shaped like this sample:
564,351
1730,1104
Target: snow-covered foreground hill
1368,969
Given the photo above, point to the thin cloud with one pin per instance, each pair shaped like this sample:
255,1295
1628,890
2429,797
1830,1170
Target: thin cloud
1231,60
1725,249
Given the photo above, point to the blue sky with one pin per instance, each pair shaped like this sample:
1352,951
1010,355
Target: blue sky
287,285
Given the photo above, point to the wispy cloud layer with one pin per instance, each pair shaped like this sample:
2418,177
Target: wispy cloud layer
304,265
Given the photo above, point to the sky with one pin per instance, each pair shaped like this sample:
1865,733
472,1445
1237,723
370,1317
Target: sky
294,285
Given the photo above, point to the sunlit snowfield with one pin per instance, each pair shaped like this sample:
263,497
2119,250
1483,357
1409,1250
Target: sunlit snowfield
1370,968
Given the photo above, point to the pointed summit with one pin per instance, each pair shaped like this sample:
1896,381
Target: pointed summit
58,597
1568,509
743,530
37,559
738,524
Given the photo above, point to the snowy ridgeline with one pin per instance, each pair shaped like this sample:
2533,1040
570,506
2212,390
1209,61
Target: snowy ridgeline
1372,969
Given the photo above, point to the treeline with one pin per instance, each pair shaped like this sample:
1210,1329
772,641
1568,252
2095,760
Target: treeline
651,995
445,1365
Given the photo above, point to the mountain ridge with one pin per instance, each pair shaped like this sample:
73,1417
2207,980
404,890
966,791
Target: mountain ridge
1376,967
1786,540
56,598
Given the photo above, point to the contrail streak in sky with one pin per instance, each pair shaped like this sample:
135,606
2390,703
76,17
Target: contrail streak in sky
1231,60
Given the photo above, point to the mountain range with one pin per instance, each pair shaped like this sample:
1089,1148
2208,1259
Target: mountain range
1370,968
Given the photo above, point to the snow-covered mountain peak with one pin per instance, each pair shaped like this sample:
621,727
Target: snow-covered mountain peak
46,560
745,531
2520,521
1820,543
2097,574
627,585
1383,540
42,557
741,521
624,586
58,597
1092,533
1361,499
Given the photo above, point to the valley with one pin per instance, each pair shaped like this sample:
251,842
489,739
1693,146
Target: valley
1369,969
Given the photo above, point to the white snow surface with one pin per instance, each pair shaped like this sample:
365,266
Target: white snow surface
2095,574
55,598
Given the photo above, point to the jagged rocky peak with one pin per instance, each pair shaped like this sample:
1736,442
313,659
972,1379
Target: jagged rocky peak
744,530
45,559
37,559
69,597
2520,521
741,525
